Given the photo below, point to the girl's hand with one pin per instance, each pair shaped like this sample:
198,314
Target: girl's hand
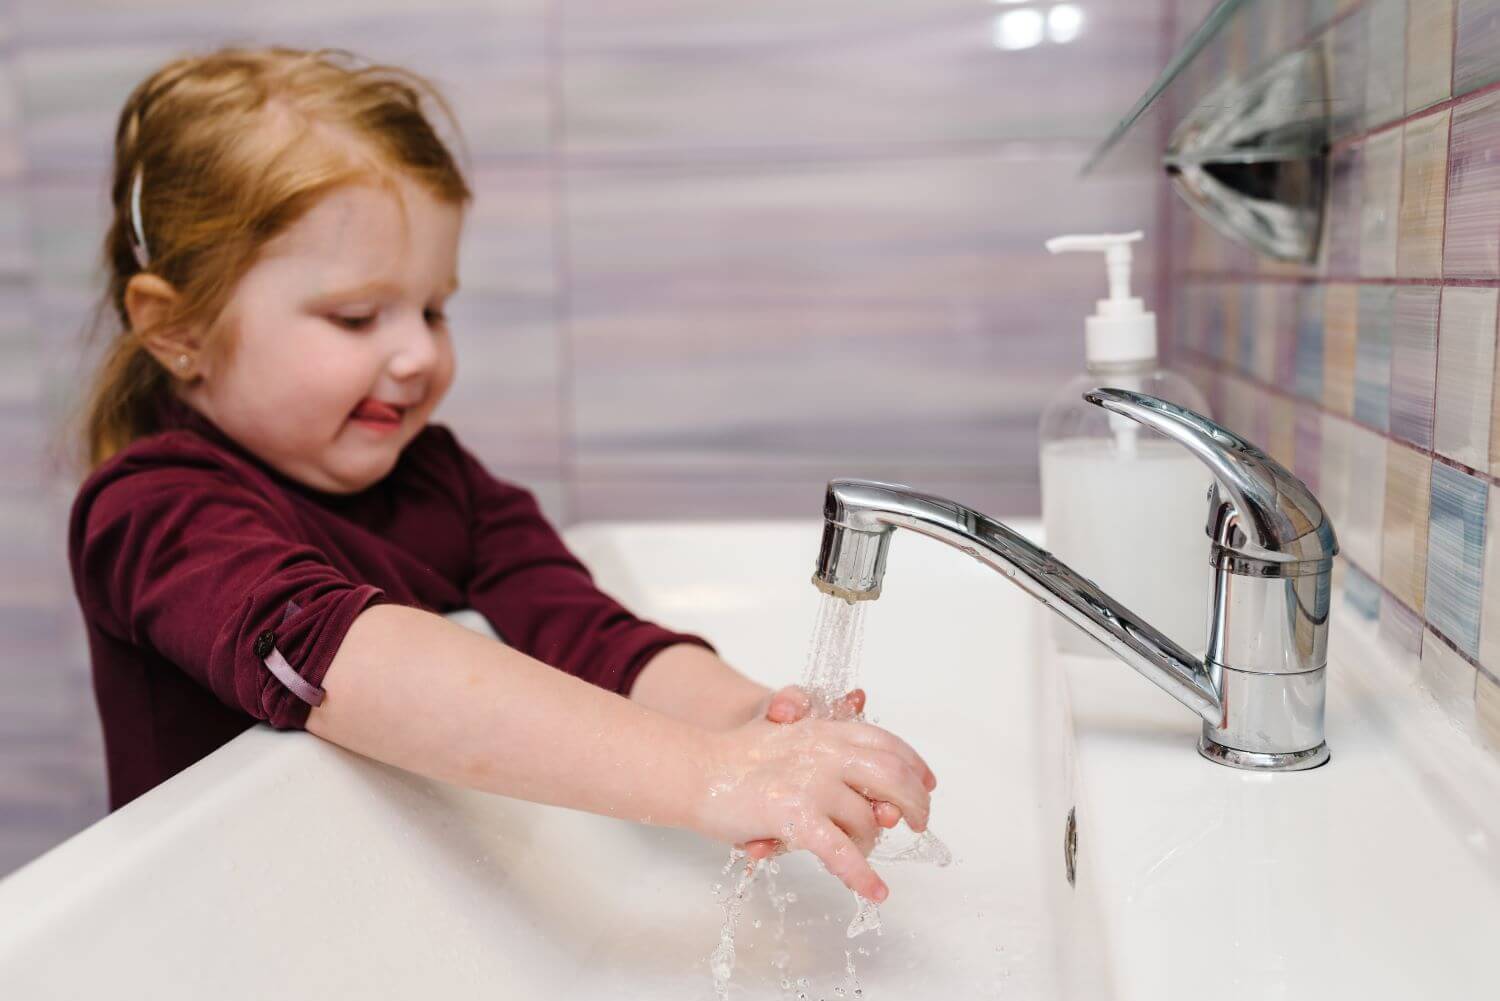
788,705
809,785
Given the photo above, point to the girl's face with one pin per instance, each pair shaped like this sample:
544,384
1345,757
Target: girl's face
339,347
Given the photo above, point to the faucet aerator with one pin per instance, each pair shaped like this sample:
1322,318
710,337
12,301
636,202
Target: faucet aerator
851,563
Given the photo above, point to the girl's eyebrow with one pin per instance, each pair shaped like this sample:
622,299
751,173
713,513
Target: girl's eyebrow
377,287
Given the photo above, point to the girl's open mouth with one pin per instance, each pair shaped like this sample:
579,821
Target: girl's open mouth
377,415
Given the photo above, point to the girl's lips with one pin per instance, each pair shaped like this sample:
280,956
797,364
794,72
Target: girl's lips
377,413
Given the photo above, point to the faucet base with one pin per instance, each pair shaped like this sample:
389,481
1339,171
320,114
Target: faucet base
1292,761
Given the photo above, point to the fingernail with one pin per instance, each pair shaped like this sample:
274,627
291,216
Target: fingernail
881,893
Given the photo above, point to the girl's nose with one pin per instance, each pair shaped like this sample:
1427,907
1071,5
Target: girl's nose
416,351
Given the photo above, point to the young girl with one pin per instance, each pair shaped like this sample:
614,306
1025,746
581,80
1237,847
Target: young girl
271,529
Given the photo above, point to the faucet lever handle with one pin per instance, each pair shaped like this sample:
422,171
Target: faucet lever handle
1277,517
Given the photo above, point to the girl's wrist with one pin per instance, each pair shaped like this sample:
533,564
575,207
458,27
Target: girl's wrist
687,779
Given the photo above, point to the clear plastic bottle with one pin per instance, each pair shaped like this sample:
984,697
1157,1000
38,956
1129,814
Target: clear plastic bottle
1121,504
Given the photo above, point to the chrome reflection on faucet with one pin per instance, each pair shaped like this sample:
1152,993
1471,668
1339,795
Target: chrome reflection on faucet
1260,686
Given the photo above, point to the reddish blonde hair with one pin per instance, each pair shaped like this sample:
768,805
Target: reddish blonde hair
235,146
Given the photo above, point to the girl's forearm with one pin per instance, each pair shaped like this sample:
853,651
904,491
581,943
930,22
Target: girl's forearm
694,685
412,689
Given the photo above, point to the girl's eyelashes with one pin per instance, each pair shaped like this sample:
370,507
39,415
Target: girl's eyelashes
436,317
354,322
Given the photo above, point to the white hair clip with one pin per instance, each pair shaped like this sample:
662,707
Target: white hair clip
138,245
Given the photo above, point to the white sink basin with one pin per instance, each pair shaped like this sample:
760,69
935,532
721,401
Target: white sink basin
284,867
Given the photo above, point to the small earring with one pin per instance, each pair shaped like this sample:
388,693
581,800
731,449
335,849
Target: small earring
182,361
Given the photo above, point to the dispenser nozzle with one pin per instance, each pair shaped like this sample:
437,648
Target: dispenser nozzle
1121,330
1116,250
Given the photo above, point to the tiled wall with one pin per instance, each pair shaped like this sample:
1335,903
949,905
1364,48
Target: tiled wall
1372,372
721,252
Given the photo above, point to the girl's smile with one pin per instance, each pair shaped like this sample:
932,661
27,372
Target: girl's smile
377,416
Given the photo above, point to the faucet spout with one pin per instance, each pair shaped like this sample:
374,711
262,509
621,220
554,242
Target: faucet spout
1261,685
860,517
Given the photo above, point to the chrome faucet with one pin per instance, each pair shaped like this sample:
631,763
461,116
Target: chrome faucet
1259,688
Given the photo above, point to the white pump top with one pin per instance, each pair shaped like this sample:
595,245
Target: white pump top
1121,330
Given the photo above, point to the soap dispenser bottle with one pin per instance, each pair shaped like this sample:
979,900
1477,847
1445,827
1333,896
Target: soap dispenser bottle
1122,505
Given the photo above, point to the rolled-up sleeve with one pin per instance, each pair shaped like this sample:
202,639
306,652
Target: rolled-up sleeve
542,600
212,577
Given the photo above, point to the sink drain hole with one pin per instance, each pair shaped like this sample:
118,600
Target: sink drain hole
1070,847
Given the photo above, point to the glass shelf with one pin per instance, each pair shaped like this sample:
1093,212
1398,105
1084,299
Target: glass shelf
1240,120
1234,40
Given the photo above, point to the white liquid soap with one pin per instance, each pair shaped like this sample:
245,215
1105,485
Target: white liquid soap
1119,520
1122,505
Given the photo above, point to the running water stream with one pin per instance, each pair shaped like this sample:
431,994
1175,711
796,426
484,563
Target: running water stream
832,671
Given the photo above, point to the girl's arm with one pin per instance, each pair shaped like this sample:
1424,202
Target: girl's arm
414,690
693,684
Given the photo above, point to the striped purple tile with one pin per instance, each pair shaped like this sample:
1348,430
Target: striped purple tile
1471,245
1414,363
1476,45
1465,376
1372,362
1455,555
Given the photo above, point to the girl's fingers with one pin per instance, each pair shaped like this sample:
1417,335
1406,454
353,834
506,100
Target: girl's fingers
869,735
851,705
844,859
880,775
762,848
788,705
856,818
887,814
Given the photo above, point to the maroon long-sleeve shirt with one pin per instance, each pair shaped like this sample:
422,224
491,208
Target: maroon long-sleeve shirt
196,565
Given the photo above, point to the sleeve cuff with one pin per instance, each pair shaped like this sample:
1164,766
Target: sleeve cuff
309,647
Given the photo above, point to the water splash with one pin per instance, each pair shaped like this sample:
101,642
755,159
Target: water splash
721,962
925,847
832,670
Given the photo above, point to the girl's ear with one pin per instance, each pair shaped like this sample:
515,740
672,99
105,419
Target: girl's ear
149,299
